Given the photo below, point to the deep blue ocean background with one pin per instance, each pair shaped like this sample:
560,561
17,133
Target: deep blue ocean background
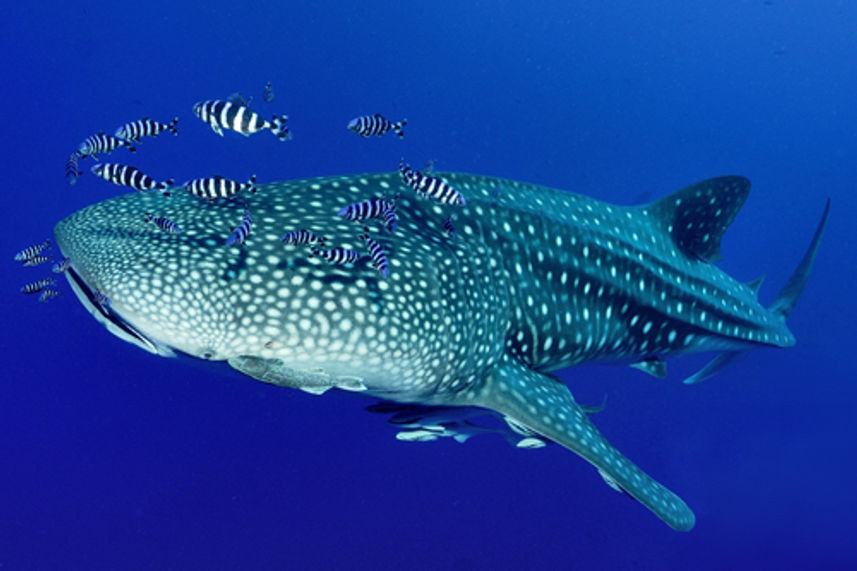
111,458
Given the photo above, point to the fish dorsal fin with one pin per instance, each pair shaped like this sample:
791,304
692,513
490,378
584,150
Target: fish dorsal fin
698,215
653,365
756,284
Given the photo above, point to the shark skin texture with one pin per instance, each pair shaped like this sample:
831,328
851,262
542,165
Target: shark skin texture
533,280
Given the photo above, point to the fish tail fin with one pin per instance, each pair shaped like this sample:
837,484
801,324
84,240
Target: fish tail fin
172,126
252,184
165,186
280,128
397,127
546,407
130,147
787,297
783,304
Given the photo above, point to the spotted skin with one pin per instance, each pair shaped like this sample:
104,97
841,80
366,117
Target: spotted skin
536,280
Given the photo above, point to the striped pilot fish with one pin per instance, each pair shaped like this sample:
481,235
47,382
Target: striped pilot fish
72,171
218,187
37,286
228,115
32,251
48,294
431,187
36,261
145,127
338,255
102,143
372,208
164,224
61,266
376,253
125,175
301,237
376,124
242,231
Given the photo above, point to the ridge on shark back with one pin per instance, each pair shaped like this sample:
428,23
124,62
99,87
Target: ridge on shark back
532,280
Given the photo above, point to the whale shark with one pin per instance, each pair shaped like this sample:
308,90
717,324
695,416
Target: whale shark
470,322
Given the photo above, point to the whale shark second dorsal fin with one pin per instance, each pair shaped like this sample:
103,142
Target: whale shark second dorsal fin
698,215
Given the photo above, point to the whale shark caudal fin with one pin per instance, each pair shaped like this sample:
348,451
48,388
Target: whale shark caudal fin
545,406
698,215
783,304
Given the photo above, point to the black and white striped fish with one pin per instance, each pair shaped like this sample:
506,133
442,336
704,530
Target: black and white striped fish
449,227
126,175
376,124
242,231
301,237
372,208
377,253
337,255
72,171
102,143
61,266
164,224
32,251
227,115
48,294
268,95
431,187
37,286
145,127
36,261
218,187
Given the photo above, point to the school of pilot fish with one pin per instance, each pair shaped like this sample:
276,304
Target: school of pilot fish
234,114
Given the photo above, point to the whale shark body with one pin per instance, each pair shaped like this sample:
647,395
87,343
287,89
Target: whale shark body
532,280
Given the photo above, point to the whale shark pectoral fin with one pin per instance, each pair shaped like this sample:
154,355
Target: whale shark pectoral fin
276,372
546,407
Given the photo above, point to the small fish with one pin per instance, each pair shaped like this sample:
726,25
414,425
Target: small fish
32,251
389,217
431,187
36,260
125,175
376,124
48,294
242,231
337,255
228,115
102,143
377,253
145,127
448,226
218,187
371,208
268,95
37,286
61,266
101,299
164,224
301,237
72,171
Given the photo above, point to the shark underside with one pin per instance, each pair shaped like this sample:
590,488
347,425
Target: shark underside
532,280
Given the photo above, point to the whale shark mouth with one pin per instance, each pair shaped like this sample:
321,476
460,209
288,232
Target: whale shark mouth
105,314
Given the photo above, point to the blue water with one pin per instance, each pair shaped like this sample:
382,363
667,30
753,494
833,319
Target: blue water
111,458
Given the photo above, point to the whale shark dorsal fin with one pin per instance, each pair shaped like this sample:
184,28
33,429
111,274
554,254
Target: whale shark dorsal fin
545,406
697,216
